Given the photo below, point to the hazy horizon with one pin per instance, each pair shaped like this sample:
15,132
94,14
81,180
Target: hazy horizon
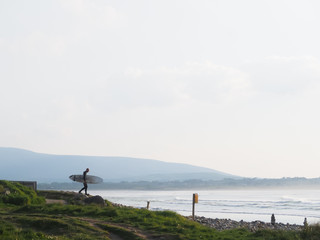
228,85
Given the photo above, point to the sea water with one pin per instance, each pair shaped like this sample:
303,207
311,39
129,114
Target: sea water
288,206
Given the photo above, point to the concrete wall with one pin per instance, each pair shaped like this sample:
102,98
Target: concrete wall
30,184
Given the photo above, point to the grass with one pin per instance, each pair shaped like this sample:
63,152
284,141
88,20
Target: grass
34,219
18,194
125,235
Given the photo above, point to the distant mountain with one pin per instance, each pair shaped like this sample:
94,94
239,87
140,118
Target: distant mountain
19,164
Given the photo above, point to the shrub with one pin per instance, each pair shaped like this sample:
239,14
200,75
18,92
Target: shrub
311,232
19,194
16,199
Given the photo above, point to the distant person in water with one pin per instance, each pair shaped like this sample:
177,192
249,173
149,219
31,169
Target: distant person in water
85,185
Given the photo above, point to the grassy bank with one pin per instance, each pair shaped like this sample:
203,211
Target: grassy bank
34,219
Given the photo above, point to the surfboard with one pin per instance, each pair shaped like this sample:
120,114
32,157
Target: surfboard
90,178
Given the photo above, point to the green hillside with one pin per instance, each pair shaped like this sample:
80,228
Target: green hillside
70,218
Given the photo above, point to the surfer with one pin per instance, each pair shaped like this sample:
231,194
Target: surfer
85,185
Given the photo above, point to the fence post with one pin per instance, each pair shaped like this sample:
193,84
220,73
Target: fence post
273,219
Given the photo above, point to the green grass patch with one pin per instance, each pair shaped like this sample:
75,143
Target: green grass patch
36,220
125,234
71,210
50,227
8,231
18,194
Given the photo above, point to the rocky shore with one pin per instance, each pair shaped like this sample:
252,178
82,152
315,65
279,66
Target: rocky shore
226,224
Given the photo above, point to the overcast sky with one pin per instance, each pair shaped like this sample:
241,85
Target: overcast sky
225,84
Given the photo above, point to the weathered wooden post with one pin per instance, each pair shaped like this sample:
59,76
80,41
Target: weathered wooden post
305,223
273,219
148,203
194,201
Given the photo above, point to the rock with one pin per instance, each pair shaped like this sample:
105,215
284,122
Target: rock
94,200
226,224
5,192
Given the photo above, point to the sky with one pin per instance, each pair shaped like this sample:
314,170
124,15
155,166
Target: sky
225,84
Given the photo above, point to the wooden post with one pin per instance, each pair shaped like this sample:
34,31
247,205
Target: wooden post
305,223
148,203
273,219
194,201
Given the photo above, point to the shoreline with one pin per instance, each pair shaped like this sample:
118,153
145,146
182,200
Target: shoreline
221,224
228,224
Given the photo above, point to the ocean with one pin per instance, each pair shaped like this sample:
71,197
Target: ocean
288,206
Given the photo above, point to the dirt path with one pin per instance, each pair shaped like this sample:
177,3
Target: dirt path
113,236
114,230
94,223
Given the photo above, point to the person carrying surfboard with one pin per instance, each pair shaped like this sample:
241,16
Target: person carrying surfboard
85,185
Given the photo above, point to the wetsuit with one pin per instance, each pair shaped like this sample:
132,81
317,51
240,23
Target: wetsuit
85,185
